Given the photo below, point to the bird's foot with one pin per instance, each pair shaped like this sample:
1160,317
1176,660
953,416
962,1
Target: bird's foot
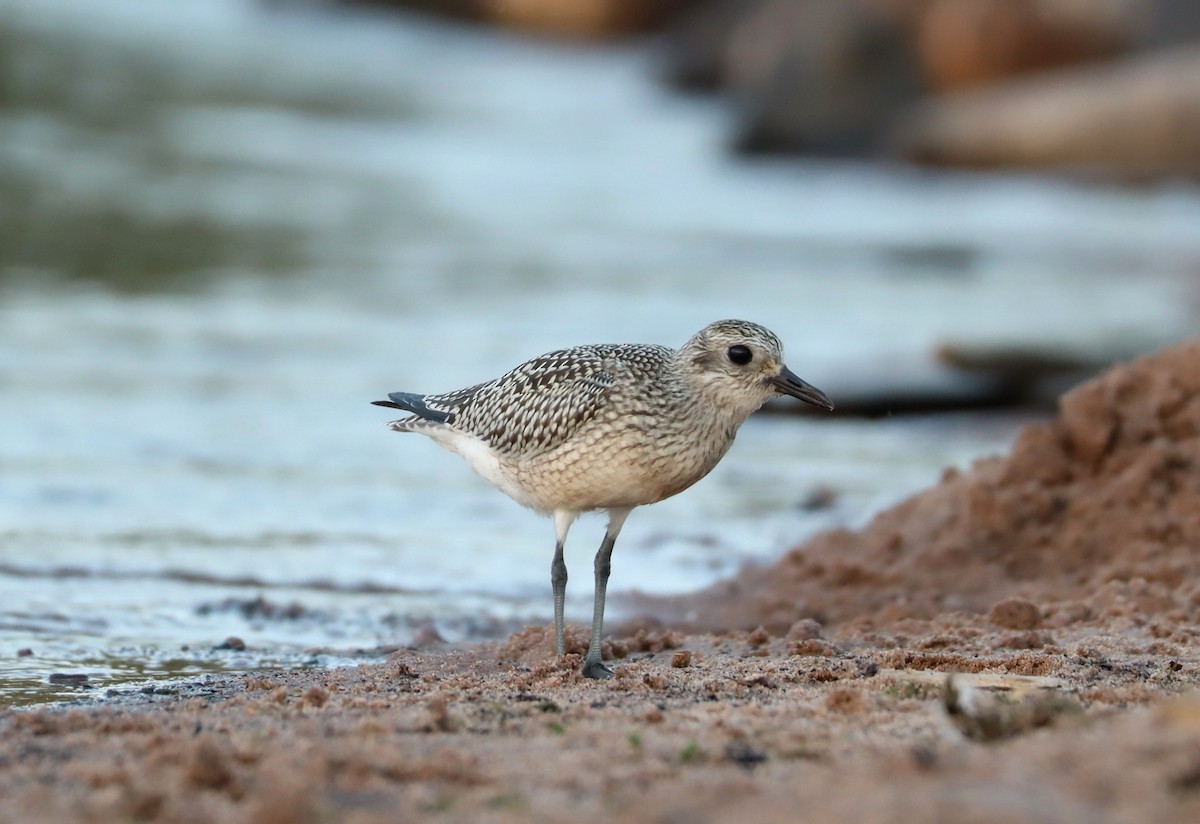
597,670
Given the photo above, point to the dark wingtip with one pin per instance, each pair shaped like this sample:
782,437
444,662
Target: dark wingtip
411,402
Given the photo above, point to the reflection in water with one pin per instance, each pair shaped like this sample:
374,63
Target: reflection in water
223,231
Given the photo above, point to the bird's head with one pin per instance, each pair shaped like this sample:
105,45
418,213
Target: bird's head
739,366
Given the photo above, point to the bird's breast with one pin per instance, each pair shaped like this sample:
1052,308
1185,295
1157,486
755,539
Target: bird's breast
621,466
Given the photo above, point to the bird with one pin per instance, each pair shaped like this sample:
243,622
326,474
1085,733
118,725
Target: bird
607,427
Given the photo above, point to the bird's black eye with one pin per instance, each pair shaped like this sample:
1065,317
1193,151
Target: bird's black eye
741,355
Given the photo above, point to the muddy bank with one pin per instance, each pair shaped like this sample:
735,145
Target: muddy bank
1059,581
719,729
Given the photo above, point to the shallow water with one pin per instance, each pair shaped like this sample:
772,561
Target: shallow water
228,230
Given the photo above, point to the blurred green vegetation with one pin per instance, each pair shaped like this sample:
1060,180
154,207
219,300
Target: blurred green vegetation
130,252
96,186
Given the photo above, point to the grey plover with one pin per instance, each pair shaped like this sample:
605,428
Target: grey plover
610,427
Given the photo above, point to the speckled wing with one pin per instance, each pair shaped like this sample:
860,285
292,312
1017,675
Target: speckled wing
543,402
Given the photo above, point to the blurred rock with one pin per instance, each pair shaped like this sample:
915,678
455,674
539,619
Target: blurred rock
985,716
1135,119
462,9
965,43
818,76
874,392
696,44
1168,22
585,18
571,18
1034,373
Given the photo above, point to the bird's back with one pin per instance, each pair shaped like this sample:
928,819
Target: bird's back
544,402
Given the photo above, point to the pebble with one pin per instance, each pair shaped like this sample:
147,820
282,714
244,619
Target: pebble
73,679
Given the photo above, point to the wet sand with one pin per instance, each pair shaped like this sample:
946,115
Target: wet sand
1059,581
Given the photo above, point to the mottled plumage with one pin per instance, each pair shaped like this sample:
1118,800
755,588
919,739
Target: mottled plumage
610,427
543,402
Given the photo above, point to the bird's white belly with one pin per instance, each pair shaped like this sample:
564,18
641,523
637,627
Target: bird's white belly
484,461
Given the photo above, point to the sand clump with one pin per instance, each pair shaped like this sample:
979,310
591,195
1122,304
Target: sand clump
1059,583
1091,520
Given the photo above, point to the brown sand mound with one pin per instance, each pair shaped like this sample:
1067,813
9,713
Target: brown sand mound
1093,517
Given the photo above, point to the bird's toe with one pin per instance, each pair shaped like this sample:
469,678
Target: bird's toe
597,670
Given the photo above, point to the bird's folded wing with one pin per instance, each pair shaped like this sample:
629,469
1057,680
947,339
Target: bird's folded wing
537,406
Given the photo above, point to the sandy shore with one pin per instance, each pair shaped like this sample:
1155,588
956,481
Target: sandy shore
1060,581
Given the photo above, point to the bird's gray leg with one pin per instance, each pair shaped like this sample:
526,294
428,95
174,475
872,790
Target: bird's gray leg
592,666
558,574
558,580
